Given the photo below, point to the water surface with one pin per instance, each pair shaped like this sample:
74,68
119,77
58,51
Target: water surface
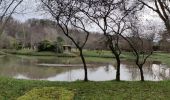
23,67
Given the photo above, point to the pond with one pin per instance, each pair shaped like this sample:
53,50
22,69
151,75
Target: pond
48,68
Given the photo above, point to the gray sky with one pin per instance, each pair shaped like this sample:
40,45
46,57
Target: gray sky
28,10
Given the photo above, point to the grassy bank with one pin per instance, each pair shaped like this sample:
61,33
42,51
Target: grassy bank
91,55
11,89
163,57
157,56
29,52
87,53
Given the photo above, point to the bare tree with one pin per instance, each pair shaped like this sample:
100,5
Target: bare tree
7,8
109,16
140,44
162,8
67,15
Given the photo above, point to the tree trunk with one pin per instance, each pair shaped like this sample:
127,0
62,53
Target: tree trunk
141,73
118,63
168,27
84,64
118,68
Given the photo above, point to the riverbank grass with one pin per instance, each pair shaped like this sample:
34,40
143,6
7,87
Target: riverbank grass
91,55
12,89
30,52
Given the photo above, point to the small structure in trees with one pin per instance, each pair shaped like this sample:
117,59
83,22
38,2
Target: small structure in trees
67,48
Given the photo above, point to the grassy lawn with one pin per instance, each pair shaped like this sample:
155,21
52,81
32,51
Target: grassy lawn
91,55
11,89
157,56
163,57
30,52
96,53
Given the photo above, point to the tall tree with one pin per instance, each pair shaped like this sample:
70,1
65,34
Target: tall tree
140,44
67,15
109,16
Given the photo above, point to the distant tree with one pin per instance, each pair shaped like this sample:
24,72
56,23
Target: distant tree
59,44
7,8
60,40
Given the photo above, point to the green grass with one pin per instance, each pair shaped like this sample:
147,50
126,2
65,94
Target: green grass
157,56
95,53
163,57
48,93
92,55
99,60
11,89
30,52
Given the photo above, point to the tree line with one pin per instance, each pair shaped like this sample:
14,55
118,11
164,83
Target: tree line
21,35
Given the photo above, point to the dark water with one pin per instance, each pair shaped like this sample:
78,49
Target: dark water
22,67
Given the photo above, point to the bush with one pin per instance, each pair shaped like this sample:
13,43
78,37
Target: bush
45,46
50,46
48,93
18,46
58,47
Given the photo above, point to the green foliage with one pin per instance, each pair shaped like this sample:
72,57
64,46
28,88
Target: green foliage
7,41
48,93
59,44
55,46
18,46
45,46
58,47
60,40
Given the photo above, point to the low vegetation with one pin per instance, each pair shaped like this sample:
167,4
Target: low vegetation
11,89
30,52
48,93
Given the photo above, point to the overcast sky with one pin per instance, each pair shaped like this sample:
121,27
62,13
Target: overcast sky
30,11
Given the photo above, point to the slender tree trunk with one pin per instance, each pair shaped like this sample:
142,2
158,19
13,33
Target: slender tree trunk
141,73
118,68
118,63
84,64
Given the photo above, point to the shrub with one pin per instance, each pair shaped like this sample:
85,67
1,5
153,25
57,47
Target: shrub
58,47
48,93
50,46
18,45
45,46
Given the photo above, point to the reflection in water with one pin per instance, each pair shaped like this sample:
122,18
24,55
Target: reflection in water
22,67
